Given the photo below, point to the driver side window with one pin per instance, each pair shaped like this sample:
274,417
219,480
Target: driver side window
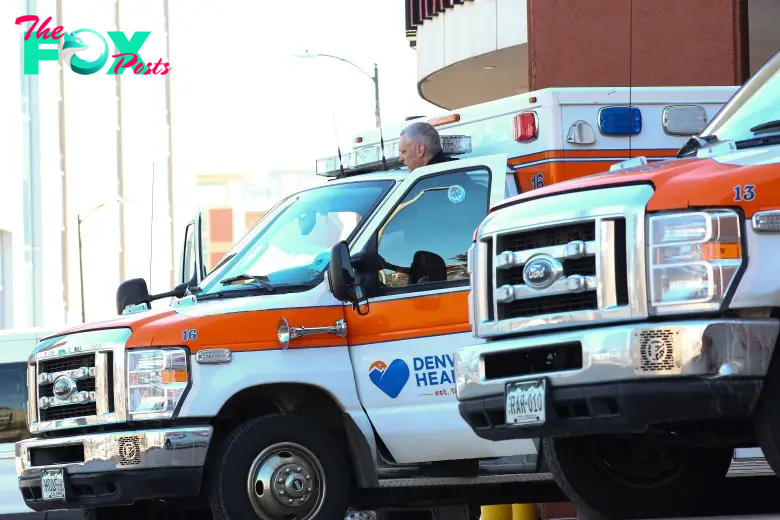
426,238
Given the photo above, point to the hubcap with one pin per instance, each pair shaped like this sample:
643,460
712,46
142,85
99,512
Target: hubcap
286,482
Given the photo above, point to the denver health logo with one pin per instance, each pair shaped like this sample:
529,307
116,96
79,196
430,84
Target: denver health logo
37,48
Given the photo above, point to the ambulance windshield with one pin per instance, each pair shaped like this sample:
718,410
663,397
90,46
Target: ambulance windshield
754,111
292,247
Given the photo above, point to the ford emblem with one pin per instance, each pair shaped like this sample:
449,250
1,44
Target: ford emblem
64,388
540,272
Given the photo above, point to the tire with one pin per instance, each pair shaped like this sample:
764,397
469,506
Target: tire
588,471
287,452
766,420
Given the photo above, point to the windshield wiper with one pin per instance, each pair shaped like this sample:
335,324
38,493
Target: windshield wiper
769,125
696,142
756,142
259,280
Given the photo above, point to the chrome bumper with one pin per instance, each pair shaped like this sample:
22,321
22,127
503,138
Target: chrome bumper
705,348
112,452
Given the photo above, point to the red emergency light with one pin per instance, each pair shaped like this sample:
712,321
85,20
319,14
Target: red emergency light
526,126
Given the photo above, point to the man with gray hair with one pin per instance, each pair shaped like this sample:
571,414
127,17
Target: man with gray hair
421,145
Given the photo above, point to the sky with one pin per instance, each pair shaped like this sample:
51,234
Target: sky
243,102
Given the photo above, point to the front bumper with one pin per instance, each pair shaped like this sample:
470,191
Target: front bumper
111,469
623,378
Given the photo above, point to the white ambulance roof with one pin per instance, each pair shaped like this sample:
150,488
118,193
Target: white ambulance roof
560,96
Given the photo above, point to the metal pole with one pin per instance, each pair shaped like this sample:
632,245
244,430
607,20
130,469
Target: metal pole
120,156
168,120
65,237
81,271
376,96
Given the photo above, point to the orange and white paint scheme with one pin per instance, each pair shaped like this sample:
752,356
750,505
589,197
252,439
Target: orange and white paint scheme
621,312
265,390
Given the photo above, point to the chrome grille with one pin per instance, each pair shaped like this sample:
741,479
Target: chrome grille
561,261
567,256
573,247
76,374
91,369
547,237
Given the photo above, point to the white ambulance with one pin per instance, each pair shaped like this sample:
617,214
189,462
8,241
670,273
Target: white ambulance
557,134
287,384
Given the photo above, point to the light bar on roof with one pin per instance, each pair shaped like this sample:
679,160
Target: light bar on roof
367,159
330,166
456,144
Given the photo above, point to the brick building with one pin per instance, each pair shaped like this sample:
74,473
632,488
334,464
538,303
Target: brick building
473,51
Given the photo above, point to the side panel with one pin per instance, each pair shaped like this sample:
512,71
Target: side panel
248,326
402,354
326,367
563,160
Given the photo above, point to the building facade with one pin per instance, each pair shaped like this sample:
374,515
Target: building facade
473,51
88,187
231,203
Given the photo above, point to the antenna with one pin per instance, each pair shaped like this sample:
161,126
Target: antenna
338,146
151,234
379,118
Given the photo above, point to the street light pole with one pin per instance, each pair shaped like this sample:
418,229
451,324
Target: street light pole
374,78
81,272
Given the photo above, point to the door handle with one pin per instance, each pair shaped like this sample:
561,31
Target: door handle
285,333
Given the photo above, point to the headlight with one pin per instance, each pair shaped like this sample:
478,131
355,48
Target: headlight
156,380
693,258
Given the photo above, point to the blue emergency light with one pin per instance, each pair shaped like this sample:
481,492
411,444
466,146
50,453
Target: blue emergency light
620,121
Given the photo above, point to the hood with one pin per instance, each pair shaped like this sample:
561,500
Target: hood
132,321
683,183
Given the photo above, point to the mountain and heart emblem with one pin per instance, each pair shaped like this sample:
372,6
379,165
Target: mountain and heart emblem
390,379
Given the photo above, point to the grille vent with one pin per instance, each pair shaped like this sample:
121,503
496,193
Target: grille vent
657,351
129,451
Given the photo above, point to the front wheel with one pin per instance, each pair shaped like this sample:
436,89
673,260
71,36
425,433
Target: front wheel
280,467
635,476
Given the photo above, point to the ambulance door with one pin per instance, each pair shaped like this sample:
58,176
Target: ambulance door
413,270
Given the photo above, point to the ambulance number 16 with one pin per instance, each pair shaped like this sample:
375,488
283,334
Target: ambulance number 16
537,181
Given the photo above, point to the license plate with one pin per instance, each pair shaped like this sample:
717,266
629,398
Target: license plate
525,403
53,484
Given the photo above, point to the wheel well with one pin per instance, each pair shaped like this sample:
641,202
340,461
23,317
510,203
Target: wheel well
305,400
298,399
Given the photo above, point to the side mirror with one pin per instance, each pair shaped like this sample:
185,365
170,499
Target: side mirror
342,281
135,292
132,292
